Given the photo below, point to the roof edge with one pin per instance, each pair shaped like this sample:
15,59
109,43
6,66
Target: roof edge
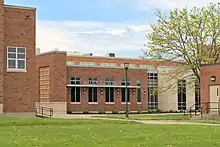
51,52
212,64
20,7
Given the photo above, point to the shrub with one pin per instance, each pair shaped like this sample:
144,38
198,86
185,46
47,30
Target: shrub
115,112
150,111
139,112
85,112
159,111
101,112
171,111
69,112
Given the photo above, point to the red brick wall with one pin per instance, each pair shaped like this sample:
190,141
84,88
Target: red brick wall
57,65
19,87
205,74
102,74
1,48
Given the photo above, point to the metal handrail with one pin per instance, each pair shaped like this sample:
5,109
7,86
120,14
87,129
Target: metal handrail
206,107
190,110
42,110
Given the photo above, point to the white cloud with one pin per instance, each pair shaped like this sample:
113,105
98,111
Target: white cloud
96,37
170,4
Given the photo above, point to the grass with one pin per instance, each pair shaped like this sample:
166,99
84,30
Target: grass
148,116
32,132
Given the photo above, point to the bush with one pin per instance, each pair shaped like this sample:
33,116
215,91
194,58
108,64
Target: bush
149,111
101,112
139,112
69,112
159,111
115,112
85,112
181,111
171,111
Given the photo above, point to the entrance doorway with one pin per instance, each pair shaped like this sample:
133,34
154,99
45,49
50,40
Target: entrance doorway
214,97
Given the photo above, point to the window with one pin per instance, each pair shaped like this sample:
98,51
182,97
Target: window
109,91
75,80
75,91
92,95
123,96
110,81
139,92
93,81
152,91
181,94
16,58
197,96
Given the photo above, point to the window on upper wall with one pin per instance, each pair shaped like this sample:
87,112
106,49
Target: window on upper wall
16,58
75,80
93,81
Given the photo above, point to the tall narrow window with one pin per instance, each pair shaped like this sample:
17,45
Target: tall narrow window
92,93
109,91
139,92
152,91
16,58
75,91
123,91
197,96
181,94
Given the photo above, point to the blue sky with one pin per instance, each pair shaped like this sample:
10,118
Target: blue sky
98,26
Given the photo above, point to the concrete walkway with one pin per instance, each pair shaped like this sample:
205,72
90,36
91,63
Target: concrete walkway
159,122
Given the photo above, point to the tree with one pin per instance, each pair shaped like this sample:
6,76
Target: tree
188,35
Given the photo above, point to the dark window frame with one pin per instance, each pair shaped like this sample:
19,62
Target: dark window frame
181,94
75,91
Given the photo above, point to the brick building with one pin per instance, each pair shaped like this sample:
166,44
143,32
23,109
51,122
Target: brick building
210,86
79,83
65,81
17,56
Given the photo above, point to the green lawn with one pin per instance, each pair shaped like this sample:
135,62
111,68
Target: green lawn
148,116
35,132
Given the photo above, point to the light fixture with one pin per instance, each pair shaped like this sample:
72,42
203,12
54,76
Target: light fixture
213,78
84,90
101,91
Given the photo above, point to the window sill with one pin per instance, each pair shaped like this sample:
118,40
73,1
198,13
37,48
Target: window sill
124,103
139,103
109,103
16,70
75,103
93,103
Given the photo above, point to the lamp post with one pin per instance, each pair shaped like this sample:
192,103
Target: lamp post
126,65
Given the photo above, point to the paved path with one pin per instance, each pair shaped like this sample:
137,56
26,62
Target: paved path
159,122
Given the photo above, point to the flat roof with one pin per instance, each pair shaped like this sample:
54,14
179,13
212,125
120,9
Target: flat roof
20,7
212,64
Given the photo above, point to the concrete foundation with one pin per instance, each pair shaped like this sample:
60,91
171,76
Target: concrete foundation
59,108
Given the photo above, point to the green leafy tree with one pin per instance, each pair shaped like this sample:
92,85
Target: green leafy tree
188,35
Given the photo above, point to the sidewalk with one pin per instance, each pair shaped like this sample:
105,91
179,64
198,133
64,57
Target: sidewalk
159,122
